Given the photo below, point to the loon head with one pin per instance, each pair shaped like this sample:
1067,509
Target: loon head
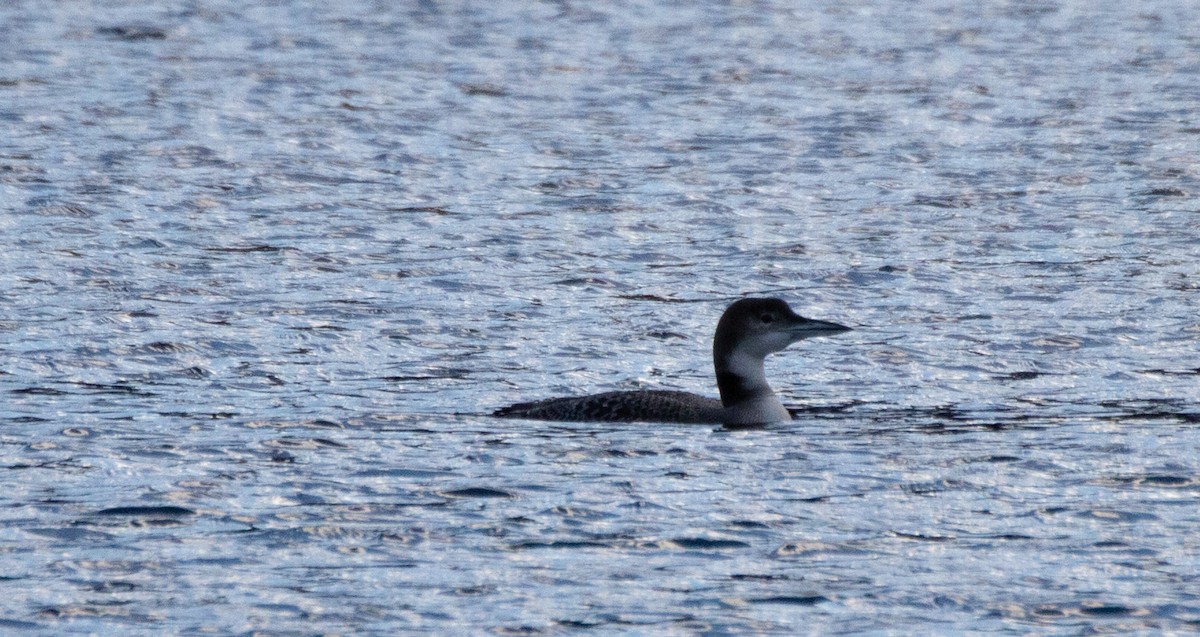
748,331
757,327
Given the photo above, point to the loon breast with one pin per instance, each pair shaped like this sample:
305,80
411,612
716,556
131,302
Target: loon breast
747,332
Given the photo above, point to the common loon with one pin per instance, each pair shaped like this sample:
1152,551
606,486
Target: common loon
748,331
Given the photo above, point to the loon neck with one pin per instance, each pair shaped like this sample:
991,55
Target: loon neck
741,378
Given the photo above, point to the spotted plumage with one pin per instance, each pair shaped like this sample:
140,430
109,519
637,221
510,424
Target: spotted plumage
622,406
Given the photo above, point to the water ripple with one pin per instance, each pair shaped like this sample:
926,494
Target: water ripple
267,269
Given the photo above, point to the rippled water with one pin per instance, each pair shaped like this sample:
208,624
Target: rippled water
265,269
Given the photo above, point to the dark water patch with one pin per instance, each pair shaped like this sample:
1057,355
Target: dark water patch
245,249
132,33
65,465
923,537
1076,610
664,335
1175,409
819,498
789,600
400,472
652,297
579,513
26,420
590,281
999,459
1022,415
477,492
1111,544
73,211
17,624
934,487
630,618
1163,192
317,423
823,410
483,90
109,611
319,179
38,391
944,201
707,544
1163,481
471,591
146,511
419,273
434,210
1195,371
628,453
325,327
1167,481
433,373
164,347
200,415
109,586
1109,610
562,544
749,524
119,389
1008,537
759,577
1022,375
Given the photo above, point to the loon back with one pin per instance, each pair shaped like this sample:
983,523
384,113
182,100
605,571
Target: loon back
622,406
748,331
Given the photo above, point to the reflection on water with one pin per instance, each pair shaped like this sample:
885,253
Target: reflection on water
264,269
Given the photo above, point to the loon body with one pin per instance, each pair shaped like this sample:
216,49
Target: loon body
748,331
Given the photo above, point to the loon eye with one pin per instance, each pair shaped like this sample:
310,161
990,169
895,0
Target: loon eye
767,318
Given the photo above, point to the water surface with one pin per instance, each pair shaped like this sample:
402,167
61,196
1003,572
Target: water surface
265,270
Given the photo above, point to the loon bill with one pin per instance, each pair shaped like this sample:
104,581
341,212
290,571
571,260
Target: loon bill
748,331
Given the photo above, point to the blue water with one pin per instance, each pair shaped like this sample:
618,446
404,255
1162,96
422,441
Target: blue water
266,268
